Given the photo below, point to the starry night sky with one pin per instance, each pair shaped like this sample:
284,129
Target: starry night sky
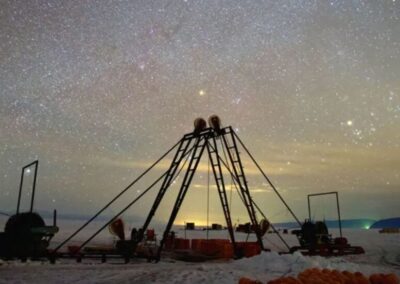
98,90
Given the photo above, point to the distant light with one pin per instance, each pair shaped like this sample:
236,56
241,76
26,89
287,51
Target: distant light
28,171
202,92
366,227
349,123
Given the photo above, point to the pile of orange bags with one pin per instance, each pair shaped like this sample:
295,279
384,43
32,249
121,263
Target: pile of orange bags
326,276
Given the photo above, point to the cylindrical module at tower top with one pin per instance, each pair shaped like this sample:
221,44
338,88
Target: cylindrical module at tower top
215,122
199,125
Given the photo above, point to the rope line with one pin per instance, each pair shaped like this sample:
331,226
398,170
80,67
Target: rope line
136,199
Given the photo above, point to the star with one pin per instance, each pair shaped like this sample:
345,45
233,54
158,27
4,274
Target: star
98,92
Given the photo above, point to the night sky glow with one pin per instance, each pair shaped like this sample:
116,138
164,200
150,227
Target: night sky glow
98,90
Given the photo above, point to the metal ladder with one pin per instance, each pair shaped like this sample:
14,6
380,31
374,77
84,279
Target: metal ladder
179,155
229,140
219,180
193,163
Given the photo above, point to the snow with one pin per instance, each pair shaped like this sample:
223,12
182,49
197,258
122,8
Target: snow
382,256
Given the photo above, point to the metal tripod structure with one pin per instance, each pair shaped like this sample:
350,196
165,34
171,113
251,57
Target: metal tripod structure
207,140
191,149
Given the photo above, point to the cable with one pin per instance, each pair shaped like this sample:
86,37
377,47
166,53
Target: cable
134,201
268,180
115,198
257,207
226,159
272,226
121,212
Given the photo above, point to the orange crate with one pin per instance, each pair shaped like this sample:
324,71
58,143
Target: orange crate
182,243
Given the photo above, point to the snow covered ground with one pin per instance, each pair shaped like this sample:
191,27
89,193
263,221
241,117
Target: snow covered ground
382,256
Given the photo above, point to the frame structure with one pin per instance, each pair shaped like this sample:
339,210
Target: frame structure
188,153
36,164
207,139
337,206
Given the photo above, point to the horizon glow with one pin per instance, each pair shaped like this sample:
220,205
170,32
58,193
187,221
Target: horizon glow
97,91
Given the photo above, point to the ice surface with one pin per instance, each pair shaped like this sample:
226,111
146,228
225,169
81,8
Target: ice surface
382,253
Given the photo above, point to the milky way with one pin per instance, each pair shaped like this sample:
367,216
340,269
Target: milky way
98,90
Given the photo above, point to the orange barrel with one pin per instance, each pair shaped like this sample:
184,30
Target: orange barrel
186,244
391,279
169,244
384,278
361,279
245,280
251,249
177,242
227,251
182,243
240,248
209,247
195,245
221,242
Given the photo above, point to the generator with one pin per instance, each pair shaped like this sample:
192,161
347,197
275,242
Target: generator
25,233
314,237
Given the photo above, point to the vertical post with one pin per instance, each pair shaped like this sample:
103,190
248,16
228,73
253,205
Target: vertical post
36,163
309,208
338,209
208,196
34,184
55,218
20,188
